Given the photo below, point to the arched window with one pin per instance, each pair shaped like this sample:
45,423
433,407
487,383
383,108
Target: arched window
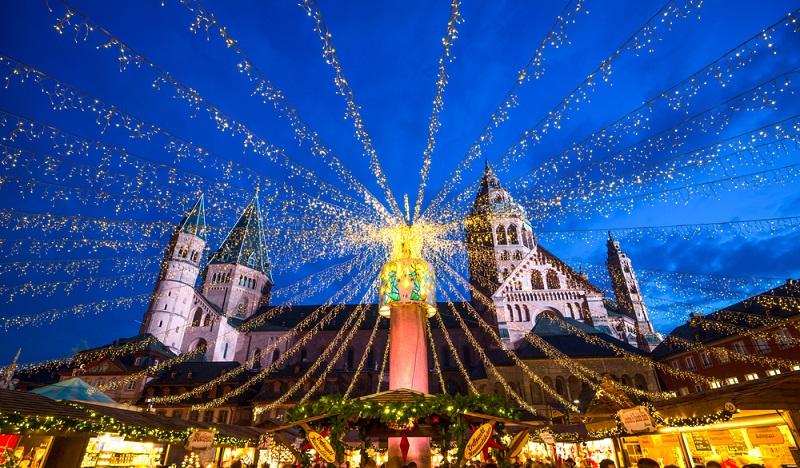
257,359
552,280
207,320
505,273
633,289
194,256
525,240
275,355
501,235
510,313
184,251
198,317
241,309
536,280
201,346
560,386
504,255
527,313
517,255
519,312
303,354
513,238
466,358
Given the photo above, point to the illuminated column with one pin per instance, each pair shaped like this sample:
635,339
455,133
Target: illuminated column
407,298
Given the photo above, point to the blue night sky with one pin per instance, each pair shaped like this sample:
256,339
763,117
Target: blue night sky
389,53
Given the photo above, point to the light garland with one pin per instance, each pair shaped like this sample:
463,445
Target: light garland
438,101
454,352
641,39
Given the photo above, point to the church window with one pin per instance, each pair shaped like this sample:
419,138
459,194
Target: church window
350,357
228,278
207,320
194,255
560,386
527,313
517,255
510,313
525,240
165,307
552,280
160,323
536,280
303,355
501,235
184,251
241,309
626,268
201,346
198,317
466,359
519,313
513,238
240,280
571,311
633,289
505,273
504,255
225,351
275,355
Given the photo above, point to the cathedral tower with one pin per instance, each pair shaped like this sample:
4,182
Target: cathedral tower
628,294
168,314
498,235
521,278
239,275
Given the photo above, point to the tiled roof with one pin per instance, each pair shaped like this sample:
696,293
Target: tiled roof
772,303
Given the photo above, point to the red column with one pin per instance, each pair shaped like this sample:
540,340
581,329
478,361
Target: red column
408,368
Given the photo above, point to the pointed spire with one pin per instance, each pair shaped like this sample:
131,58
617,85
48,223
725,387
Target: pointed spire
195,220
245,244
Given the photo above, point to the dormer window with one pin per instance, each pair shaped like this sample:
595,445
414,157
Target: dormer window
137,361
189,375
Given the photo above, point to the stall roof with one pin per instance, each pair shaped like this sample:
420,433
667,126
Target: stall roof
165,423
74,389
32,405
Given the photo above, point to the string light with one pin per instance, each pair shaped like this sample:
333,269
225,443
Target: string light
438,101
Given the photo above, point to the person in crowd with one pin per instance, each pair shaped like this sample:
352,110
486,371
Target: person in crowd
607,463
726,461
647,463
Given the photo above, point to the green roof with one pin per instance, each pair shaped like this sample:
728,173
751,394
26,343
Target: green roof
245,244
195,220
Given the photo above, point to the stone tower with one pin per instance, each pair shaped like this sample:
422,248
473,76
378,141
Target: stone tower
521,278
498,235
168,314
238,278
628,294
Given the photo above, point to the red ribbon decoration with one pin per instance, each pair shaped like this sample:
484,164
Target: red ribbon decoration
404,445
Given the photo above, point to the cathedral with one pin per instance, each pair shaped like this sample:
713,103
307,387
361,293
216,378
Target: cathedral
507,266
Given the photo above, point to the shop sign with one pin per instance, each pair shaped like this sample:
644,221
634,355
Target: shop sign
716,438
548,438
646,442
478,440
670,440
322,446
636,419
517,443
765,435
200,439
